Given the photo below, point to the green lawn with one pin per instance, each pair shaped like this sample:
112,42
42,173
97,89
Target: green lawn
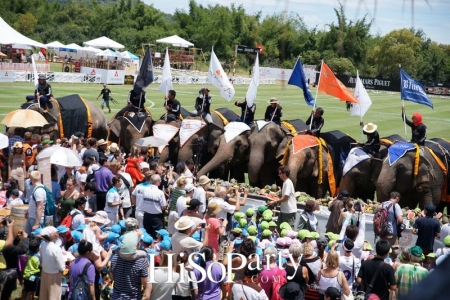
385,110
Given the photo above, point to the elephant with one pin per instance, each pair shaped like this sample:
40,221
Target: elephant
126,134
202,145
232,156
360,180
267,147
424,188
306,172
99,121
170,152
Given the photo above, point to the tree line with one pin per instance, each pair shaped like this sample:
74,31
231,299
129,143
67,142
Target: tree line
345,45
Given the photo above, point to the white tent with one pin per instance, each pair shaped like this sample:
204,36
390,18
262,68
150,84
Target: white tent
9,35
91,50
54,45
176,41
109,54
104,42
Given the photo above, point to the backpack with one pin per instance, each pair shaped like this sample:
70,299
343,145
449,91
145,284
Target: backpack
380,221
81,290
67,221
50,204
277,283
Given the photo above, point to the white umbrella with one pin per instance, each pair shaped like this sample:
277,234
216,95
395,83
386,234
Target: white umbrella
150,141
4,141
61,156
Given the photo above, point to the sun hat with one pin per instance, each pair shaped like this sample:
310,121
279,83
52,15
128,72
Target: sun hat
280,242
302,233
62,229
272,224
267,215
252,230
101,217
331,243
48,231
77,236
285,225
288,241
144,165
116,228
242,222
142,229
291,233
111,236
101,142
113,148
370,127
81,227
447,241
184,223
213,208
163,232
266,232
18,145
296,242
189,187
237,230
431,255
238,215
122,224
250,212
315,235
203,180
415,251
283,232
131,223
46,142
129,242
291,290
273,100
147,238
262,208
37,231
165,244
252,238
264,225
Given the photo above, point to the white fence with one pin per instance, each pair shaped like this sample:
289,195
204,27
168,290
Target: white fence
60,77
185,79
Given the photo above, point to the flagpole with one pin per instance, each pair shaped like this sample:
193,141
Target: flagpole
403,104
282,94
245,112
361,123
317,92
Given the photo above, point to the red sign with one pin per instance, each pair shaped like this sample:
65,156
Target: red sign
93,72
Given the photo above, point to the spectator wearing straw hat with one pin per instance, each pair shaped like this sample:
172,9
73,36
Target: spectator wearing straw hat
17,165
274,111
372,146
182,240
201,191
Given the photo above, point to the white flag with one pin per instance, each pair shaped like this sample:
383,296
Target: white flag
166,82
253,87
35,73
360,109
218,78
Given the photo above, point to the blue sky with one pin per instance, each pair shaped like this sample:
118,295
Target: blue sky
434,18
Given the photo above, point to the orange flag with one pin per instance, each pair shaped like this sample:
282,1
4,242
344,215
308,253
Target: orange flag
330,85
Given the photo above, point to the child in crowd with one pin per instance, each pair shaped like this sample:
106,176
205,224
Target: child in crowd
32,271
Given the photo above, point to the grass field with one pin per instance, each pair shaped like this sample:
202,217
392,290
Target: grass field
385,110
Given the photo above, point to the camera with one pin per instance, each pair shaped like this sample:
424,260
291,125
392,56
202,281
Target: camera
357,206
6,221
203,225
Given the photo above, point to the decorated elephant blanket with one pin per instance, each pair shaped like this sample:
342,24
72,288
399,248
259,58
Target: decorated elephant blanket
188,128
295,126
165,132
226,115
301,142
355,156
398,150
75,116
233,129
136,119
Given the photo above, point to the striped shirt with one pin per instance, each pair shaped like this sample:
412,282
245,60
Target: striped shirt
407,276
127,277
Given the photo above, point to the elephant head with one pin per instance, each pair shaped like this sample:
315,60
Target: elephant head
170,152
306,169
265,146
129,134
233,154
423,188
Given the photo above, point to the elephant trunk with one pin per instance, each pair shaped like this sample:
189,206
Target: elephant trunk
223,155
347,183
386,182
254,166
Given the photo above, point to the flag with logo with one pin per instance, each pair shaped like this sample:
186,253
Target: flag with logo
412,90
166,81
145,76
253,87
330,85
218,78
298,78
360,109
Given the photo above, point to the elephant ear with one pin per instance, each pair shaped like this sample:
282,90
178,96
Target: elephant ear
282,147
115,126
215,132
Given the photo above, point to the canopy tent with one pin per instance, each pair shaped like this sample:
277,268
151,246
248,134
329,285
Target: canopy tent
54,45
176,41
110,54
129,55
91,50
71,48
104,42
9,35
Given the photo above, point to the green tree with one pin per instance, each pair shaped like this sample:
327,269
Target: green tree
26,23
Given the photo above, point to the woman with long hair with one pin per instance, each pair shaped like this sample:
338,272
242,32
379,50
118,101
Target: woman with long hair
17,165
330,276
67,203
313,263
133,166
211,287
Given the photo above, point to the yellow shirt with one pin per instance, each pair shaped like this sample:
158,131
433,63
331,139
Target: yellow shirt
2,258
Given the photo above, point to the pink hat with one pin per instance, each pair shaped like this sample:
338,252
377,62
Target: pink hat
314,243
281,242
288,241
296,242
285,253
291,234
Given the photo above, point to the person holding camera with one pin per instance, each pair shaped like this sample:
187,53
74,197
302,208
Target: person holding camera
113,200
394,218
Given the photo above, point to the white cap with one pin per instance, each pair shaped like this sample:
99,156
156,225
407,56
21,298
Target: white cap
144,165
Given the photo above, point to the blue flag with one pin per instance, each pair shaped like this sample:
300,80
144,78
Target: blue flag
145,76
412,90
298,78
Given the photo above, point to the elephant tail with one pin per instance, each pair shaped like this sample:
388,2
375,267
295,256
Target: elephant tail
286,153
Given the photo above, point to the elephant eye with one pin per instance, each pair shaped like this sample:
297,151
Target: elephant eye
308,154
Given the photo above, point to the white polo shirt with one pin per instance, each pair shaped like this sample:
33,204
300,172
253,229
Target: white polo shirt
150,199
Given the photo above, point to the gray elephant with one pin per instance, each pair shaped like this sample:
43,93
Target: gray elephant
231,155
421,188
360,180
65,120
127,129
170,152
267,147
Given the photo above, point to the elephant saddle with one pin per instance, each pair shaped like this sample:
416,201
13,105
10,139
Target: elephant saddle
74,116
136,119
226,115
398,150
